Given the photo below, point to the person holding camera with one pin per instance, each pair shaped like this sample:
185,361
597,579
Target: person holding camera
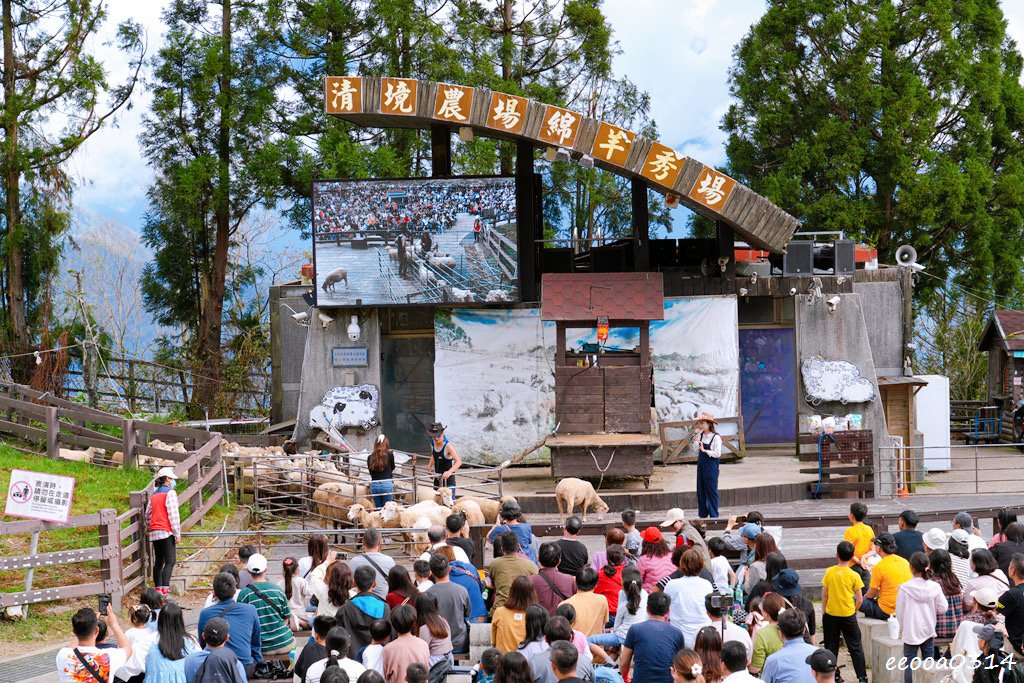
86,663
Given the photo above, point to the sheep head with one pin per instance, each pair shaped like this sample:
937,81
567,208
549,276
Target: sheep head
444,494
355,512
389,511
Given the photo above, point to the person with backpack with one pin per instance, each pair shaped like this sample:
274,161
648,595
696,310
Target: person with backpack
271,606
243,622
359,612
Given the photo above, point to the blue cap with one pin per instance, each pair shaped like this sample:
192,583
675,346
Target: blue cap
750,531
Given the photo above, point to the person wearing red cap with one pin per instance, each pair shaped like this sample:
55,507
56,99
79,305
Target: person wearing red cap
655,561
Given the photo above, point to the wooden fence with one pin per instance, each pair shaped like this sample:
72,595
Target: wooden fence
143,385
676,449
504,252
122,545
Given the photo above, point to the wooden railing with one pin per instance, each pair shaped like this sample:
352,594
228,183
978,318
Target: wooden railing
144,385
678,449
122,546
504,252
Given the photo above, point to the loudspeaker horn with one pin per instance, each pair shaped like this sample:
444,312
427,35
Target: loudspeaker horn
906,255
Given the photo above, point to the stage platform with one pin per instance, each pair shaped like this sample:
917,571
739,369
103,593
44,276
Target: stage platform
755,480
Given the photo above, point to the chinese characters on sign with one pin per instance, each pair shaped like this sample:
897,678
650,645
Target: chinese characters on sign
507,112
37,495
559,126
344,95
452,102
662,165
398,95
612,144
350,357
712,189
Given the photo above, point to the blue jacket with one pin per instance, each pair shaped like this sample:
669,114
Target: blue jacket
243,625
468,577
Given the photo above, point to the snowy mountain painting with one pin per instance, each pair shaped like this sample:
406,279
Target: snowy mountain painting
494,370
494,384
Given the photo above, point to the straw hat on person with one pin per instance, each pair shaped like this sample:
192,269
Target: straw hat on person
707,417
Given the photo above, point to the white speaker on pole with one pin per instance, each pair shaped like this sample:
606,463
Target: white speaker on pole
906,256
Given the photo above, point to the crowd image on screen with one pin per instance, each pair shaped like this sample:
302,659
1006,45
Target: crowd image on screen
405,206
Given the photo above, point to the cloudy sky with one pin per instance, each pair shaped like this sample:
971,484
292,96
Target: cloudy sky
679,51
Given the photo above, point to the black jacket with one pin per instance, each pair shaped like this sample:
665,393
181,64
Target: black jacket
356,621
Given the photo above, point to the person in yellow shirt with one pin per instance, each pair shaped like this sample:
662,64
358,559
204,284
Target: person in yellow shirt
841,595
860,535
886,578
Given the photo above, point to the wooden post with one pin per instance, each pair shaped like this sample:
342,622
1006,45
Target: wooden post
52,432
641,226
110,563
129,443
440,151
131,388
137,500
196,501
527,231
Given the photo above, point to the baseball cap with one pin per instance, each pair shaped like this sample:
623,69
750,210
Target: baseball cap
257,564
216,629
934,538
166,472
674,515
960,536
750,531
885,541
822,661
993,637
651,534
986,597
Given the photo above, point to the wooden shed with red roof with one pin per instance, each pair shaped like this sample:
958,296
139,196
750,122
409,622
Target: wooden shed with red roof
1004,342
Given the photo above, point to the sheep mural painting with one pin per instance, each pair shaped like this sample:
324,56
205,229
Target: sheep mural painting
494,370
414,241
348,407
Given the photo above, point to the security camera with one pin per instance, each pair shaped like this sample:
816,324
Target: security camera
753,278
353,329
792,291
833,303
300,316
723,262
916,267
743,291
325,320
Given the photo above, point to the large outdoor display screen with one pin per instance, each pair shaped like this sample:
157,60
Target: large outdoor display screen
415,241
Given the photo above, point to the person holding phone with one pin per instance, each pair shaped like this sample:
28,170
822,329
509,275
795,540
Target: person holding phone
708,445
86,662
164,524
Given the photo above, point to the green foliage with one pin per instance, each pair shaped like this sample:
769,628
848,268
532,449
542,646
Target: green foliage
896,122
54,97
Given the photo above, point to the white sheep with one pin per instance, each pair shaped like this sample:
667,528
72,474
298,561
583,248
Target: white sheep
446,261
392,253
470,510
334,277
490,508
497,295
572,491
365,518
334,500
88,455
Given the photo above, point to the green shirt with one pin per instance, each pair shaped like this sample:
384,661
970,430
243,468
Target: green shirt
274,631
768,641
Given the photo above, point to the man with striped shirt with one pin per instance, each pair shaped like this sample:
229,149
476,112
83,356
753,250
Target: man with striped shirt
271,606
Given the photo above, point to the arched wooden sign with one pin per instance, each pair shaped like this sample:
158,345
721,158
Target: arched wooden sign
410,103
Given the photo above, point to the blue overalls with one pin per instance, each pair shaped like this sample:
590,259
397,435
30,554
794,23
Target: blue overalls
442,463
707,481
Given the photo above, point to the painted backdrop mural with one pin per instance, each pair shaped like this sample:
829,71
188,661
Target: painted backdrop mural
494,370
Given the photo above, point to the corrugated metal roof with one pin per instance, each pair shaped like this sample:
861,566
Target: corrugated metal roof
617,296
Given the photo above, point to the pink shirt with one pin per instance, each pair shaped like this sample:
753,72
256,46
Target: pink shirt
654,568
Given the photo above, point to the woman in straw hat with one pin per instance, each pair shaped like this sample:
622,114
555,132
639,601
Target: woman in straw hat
708,445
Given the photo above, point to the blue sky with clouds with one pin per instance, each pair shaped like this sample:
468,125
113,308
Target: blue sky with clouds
679,51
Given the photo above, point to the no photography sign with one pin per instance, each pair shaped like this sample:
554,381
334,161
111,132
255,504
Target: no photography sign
38,495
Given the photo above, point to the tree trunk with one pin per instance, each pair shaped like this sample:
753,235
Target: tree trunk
12,191
208,380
